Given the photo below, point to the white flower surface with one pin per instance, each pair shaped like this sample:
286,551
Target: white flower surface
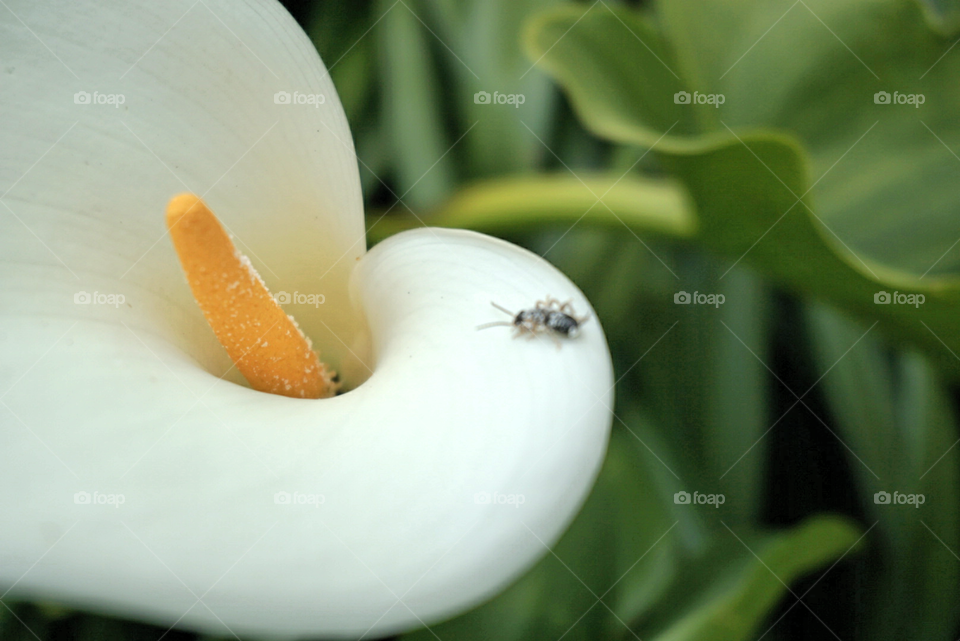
139,476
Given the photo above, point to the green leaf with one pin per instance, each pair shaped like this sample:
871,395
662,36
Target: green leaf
881,204
885,179
515,204
738,599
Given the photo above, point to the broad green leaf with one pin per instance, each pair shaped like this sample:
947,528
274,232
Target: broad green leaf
885,182
619,73
881,184
519,204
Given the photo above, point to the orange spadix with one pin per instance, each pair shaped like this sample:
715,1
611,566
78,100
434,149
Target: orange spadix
262,340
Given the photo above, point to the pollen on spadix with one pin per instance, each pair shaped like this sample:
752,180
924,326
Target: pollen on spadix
265,343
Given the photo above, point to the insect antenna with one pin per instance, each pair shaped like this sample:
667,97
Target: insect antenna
498,323
502,309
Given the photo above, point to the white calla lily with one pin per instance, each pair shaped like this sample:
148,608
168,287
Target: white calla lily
138,477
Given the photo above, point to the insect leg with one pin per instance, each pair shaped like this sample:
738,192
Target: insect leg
552,303
532,328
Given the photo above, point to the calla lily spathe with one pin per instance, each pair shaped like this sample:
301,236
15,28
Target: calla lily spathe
137,477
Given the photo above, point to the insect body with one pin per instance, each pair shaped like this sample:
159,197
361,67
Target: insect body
549,316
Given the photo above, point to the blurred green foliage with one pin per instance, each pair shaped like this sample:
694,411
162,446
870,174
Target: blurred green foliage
797,199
